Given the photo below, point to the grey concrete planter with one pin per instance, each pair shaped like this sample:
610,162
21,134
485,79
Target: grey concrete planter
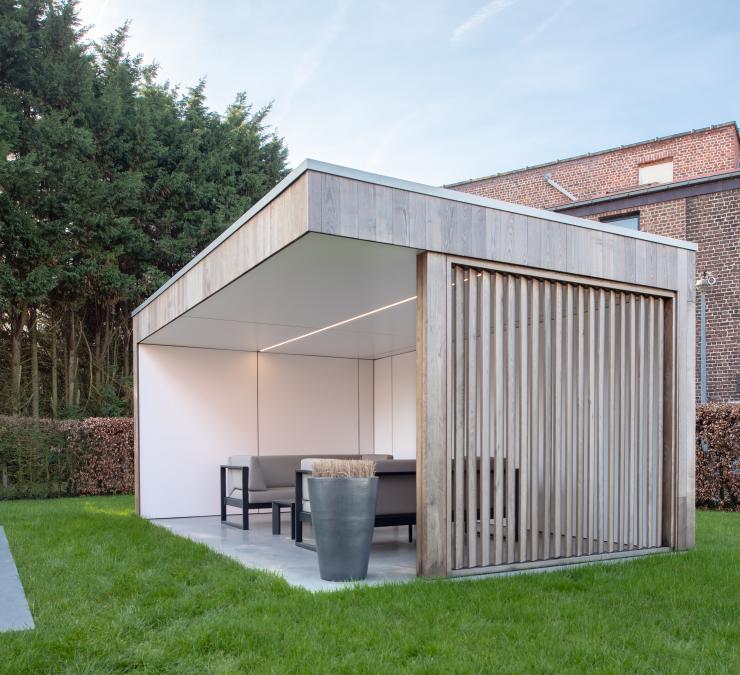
343,517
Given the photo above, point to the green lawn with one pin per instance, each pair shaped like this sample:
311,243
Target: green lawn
111,592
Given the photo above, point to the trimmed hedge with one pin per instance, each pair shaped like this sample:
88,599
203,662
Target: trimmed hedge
718,456
56,458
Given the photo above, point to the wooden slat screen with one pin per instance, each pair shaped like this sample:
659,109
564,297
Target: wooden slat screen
557,412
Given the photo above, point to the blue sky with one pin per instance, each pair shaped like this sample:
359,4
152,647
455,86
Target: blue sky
443,91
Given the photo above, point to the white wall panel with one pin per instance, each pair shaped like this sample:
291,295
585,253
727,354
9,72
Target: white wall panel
365,372
395,405
307,404
404,405
383,408
197,407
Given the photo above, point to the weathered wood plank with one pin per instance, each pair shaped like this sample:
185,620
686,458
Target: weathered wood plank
499,430
459,421
471,414
431,415
384,214
569,426
547,347
400,201
523,445
581,403
557,408
510,417
613,418
536,422
484,375
650,449
600,414
591,420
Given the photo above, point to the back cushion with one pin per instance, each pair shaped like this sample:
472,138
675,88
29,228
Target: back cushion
279,470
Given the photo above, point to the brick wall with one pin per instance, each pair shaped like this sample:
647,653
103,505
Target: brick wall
713,221
695,154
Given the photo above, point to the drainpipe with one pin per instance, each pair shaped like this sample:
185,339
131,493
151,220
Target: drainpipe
702,285
551,181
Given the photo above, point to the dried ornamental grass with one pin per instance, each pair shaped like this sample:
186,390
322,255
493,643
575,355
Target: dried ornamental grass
343,468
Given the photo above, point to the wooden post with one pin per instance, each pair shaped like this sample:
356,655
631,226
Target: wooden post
432,461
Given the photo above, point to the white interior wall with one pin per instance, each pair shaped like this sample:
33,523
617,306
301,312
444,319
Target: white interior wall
196,407
312,404
199,406
395,405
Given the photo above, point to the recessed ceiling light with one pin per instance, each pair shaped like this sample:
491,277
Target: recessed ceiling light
339,323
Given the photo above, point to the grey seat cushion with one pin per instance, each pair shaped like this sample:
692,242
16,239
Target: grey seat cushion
271,494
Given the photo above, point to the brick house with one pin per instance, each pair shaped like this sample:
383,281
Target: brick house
685,186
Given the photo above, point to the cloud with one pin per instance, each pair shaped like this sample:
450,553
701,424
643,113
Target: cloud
481,16
544,25
312,58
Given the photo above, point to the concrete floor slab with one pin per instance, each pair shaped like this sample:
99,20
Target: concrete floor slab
14,611
392,559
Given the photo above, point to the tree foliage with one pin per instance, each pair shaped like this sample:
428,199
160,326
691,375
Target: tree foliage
110,181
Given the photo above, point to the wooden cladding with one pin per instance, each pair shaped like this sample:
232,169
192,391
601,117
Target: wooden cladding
556,409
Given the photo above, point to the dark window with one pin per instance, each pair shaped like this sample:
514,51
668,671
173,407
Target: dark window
628,220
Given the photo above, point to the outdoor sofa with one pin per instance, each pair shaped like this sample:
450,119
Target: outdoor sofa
268,478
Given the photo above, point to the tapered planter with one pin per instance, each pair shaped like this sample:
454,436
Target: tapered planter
343,517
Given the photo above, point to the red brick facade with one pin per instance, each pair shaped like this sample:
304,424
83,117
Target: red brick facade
711,220
702,153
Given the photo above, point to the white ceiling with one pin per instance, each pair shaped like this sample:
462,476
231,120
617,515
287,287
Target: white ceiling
315,282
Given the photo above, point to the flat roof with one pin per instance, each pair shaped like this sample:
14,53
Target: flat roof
650,189
410,186
594,154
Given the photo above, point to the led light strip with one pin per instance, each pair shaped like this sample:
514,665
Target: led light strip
339,323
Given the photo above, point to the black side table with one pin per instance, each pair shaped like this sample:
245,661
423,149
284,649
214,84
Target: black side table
276,506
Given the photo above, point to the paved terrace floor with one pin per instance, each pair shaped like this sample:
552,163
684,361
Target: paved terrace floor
14,611
393,558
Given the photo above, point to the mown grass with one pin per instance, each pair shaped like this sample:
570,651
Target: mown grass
111,592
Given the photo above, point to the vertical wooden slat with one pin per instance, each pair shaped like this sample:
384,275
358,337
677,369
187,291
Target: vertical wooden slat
633,417
613,419
558,418
510,418
580,423
591,420
623,421
650,449
641,426
548,415
471,440
569,426
484,379
498,335
600,412
523,416
536,422
659,447
459,394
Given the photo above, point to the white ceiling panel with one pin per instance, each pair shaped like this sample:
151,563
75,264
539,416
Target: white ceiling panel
318,281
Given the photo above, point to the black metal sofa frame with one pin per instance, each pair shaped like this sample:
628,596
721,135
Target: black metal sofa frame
244,504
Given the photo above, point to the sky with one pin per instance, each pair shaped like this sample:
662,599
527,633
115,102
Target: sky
438,92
